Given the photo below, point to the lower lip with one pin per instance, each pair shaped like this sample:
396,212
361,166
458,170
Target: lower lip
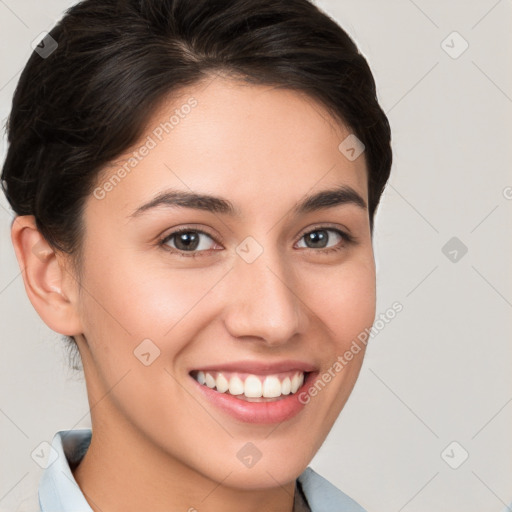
276,411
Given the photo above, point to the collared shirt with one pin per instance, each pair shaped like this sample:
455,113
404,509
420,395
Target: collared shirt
59,491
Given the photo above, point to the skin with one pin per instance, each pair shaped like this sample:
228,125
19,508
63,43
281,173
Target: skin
157,444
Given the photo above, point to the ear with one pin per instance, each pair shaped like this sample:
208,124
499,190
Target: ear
49,282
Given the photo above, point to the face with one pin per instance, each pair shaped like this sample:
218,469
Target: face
260,292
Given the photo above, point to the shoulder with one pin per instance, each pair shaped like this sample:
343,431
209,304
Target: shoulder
322,496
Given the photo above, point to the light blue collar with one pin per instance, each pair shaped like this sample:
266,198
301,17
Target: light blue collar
322,496
58,490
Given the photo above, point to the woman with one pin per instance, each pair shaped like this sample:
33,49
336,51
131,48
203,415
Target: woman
194,185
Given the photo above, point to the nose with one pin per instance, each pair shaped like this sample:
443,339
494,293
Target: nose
263,302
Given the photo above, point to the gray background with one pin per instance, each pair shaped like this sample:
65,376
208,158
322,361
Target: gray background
440,372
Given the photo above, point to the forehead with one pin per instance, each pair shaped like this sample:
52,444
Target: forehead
229,138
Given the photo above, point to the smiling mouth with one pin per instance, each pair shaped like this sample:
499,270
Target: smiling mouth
252,387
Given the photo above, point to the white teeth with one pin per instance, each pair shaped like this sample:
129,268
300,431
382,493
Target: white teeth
253,386
271,387
286,386
297,382
236,386
210,381
222,383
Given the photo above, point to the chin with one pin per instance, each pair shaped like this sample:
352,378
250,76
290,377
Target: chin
260,465
264,476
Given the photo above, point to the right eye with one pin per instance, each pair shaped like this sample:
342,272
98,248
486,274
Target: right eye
187,240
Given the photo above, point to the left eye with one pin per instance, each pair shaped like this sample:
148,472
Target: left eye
320,238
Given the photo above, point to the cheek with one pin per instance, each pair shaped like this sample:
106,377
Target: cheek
138,301
344,300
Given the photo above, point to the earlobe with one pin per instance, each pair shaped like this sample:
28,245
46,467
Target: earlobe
50,287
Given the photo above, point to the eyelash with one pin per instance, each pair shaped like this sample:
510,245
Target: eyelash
346,239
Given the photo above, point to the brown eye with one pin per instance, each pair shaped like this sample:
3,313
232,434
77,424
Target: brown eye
188,240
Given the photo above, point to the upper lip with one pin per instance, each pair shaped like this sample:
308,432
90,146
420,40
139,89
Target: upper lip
258,367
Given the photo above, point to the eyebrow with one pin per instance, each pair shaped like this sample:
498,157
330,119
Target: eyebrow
179,198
